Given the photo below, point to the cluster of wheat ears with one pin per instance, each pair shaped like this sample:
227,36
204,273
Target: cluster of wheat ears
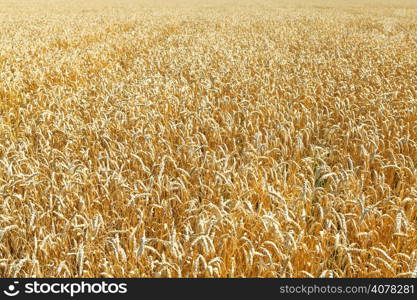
208,138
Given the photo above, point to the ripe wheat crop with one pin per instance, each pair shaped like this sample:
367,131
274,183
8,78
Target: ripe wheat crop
208,138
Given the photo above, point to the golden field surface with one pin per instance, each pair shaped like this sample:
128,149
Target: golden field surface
208,138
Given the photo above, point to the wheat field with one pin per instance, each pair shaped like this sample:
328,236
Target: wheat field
252,138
